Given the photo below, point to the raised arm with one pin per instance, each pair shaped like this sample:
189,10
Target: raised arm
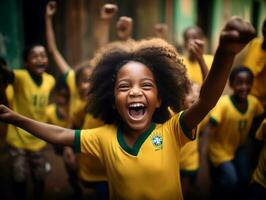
47,132
196,47
234,36
50,37
101,30
124,28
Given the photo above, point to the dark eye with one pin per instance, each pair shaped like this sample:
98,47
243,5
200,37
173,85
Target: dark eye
123,87
147,86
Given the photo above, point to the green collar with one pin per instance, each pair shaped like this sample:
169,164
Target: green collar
242,111
37,80
136,147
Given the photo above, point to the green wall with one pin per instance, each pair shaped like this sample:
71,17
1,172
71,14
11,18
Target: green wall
11,34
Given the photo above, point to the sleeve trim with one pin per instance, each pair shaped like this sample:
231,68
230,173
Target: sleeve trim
65,75
77,141
189,134
213,121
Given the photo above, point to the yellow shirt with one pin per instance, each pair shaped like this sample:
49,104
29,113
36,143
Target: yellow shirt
232,127
53,117
31,101
149,170
77,104
255,59
90,168
189,156
259,174
193,68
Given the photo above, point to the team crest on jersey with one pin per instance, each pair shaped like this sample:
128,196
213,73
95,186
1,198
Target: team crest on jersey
157,141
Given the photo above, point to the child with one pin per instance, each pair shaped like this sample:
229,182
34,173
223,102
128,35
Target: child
258,184
255,59
197,63
77,80
32,87
189,156
230,123
141,157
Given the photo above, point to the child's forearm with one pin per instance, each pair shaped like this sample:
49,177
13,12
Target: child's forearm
50,133
215,82
52,47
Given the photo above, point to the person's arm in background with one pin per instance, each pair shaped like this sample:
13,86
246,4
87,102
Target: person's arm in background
196,47
102,27
51,41
124,28
233,38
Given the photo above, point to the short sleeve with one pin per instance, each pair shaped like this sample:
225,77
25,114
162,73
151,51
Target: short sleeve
261,132
87,142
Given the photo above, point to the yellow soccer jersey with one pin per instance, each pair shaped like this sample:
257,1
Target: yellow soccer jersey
76,102
193,68
255,59
90,168
30,100
53,117
232,127
189,156
259,174
149,170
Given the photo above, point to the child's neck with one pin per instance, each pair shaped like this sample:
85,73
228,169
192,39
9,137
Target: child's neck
131,136
240,103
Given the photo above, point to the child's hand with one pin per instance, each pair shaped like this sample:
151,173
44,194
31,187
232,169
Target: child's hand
196,48
235,35
51,8
6,115
124,27
161,30
108,11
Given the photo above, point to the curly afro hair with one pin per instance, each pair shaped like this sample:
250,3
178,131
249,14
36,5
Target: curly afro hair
159,56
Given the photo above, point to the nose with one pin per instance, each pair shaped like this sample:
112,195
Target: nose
135,92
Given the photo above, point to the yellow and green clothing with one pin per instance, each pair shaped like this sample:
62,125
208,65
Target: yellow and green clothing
77,104
259,174
149,169
90,169
31,100
255,59
232,127
189,158
193,68
54,117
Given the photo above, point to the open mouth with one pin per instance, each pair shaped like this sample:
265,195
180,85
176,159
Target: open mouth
136,110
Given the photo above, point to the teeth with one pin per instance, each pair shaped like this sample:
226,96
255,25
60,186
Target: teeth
134,105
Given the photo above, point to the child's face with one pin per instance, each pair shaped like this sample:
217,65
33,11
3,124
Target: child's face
136,95
37,60
191,34
62,96
84,83
192,96
241,85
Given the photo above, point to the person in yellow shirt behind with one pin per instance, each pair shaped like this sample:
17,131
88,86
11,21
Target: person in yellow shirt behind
230,122
197,63
257,188
32,87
